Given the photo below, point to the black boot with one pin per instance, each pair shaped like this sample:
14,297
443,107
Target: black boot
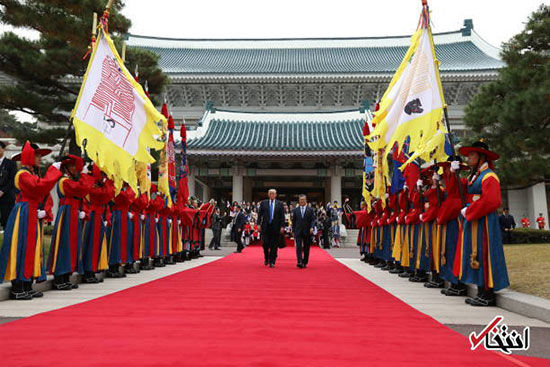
27,287
406,274
485,298
169,260
159,262
17,291
398,269
419,277
455,290
68,281
89,278
145,265
435,282
114,272
60,283
130,269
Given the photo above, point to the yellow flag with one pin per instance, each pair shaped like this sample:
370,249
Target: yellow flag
114,120
412,106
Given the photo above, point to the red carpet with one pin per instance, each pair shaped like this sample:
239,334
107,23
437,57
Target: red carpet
236,312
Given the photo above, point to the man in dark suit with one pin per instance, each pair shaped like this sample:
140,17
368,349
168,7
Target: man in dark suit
237,228
271,221
8,169
303,220
507,225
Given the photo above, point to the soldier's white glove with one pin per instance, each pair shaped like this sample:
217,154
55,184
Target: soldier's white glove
57,165
405,187
105,223
436,177
156,220
82,215
142,217
169,221
420,217
41,214
419,183
387,195
130,215
463,212
179,222
455,166
85,169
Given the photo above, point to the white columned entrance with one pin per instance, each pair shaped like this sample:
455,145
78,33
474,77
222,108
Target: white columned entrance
336,184
237,184
191,183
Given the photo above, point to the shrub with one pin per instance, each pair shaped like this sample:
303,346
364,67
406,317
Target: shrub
529,235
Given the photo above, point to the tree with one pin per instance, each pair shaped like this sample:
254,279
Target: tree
47,69
513,112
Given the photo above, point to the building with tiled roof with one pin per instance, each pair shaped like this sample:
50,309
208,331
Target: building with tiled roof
288,113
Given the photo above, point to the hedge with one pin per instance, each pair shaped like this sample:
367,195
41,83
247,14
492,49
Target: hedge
529,235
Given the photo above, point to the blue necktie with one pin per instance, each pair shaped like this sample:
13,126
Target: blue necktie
270,211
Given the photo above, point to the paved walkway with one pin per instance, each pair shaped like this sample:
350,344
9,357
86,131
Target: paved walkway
447,310
52,300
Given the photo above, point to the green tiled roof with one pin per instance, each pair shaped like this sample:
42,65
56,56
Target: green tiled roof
460,51
280,132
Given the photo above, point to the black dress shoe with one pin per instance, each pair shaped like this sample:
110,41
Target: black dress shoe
271,265
482,302
433,285
396,270
266,263
35,294
418,279
405,274
454,292
62,287
300,265
304,266
90,280
20,296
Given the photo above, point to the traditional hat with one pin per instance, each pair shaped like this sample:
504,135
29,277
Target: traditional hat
463,166
37,151
73,159
27,155
480,147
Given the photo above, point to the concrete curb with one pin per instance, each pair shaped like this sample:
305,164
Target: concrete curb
524,304
520,303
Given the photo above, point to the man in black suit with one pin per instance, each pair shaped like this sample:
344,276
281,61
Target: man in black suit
303,220
8,169
271,221
237,228
507,225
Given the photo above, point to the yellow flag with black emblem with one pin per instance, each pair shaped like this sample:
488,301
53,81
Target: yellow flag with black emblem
412,106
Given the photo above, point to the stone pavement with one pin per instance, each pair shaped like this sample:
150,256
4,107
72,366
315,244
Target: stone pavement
451,311
52,300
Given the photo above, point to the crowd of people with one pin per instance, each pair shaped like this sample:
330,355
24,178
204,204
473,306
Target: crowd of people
96,230
446,226
241,219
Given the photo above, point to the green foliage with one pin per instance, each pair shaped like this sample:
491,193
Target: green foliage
513,112
529,235
45,68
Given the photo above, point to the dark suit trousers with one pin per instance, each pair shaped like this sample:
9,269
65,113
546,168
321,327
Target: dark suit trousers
270,243
5,210
303,243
